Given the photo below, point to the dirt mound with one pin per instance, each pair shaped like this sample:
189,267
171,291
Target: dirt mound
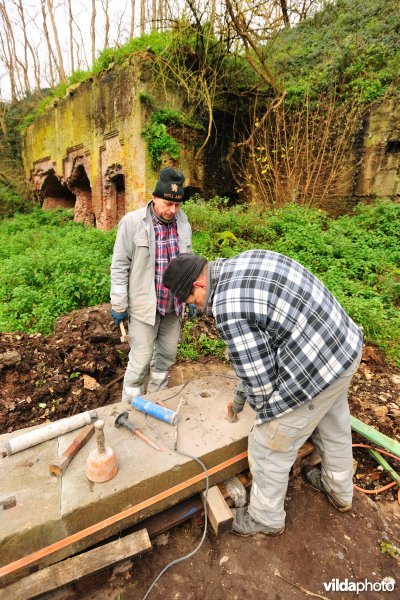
42,378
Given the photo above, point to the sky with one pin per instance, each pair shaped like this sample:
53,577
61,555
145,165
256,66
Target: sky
119,12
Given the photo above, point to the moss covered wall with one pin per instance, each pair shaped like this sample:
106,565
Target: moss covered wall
87,150
374,163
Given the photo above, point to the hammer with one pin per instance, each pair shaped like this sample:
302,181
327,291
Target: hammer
58,467
123,421
124,337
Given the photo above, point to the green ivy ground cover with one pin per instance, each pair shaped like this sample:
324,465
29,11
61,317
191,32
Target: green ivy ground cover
51,265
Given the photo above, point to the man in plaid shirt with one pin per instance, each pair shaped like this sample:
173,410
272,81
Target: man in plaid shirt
147,239
294,350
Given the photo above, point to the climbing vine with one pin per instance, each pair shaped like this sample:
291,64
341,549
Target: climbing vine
159,141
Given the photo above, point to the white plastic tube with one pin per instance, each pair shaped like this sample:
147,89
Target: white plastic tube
48,432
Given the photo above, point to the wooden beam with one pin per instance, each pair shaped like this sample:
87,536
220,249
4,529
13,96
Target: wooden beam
218,512
375,436
73,569
110,525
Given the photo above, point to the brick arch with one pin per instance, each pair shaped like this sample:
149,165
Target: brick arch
54,193
79,184
114,196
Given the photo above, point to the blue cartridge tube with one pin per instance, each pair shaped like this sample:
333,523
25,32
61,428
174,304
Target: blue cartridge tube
155,410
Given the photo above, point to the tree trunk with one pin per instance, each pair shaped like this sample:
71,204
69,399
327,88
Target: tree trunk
142,16
9,65
105,4
60,65
25,66
93,31
132,29
154,15
71,36
12,52
49,48
285,14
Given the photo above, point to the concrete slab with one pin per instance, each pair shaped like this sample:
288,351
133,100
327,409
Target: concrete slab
50,508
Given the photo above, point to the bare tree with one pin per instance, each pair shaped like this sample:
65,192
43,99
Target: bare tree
71,36
9,64
153,15
240,21
142,16
60,63
51,56
299,155
11,57
24,63
93,31
132,28
105,4
285,13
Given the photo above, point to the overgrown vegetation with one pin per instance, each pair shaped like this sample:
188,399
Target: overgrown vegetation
356,257
15,192
352,45
155,42
193,345
159,141
51,265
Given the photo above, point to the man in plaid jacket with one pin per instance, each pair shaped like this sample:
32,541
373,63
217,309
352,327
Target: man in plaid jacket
294,350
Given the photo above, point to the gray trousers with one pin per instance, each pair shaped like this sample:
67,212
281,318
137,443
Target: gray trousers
273,448
153,347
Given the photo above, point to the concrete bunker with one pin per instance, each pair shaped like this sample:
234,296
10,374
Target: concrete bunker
54,193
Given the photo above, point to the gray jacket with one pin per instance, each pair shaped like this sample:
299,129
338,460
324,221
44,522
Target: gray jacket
133,263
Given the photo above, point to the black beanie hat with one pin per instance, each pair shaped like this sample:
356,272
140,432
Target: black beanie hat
181,273
169,185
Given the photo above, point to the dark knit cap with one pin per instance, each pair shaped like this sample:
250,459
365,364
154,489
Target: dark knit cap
169,185
181,273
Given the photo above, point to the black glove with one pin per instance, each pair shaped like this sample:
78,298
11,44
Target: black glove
118,316
238,401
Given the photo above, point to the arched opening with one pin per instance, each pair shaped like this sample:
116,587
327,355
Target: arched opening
56,195
79,185
118,183
114,201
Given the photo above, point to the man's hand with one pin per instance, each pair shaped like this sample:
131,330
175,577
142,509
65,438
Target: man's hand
192,311
117,317
238,402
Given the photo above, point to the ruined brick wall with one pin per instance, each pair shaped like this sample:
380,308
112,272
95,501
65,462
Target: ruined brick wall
374,163
87,151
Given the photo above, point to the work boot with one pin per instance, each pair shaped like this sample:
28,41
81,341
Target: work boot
312,475
245,525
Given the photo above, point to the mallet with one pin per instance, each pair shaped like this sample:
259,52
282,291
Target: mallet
124,337
123,421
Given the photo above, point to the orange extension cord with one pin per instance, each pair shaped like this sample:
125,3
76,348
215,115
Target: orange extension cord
385,487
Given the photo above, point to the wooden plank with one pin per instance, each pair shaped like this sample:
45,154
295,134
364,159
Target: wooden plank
72,569
111,525
218,512
375,436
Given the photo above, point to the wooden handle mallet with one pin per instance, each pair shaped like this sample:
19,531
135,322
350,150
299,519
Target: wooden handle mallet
124,337
62,463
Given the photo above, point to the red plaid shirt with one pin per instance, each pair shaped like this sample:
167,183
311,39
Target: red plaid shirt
167,248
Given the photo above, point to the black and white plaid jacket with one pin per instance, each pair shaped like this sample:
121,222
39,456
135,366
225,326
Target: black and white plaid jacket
288,337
